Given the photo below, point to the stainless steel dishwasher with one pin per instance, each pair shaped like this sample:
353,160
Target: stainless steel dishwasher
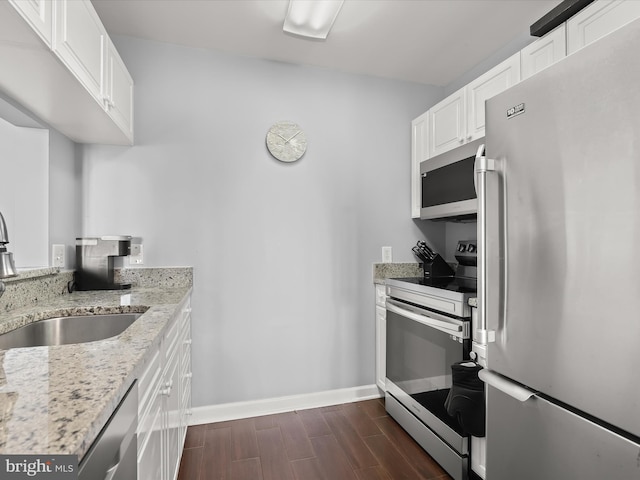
113,456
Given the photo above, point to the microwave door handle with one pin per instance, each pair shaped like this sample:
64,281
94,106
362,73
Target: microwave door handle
446,327
479,154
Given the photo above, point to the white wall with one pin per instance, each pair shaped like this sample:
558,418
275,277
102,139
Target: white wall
65,199
488,63
282,253
24,163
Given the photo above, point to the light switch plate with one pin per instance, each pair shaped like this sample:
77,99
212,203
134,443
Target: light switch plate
386,255
57,256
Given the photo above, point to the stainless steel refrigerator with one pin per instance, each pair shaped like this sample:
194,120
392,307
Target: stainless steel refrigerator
559,279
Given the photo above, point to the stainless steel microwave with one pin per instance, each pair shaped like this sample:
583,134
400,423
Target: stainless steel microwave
448,184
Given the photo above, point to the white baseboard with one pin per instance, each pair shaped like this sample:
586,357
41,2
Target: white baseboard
256,408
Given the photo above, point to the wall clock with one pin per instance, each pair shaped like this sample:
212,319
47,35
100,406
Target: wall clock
286,141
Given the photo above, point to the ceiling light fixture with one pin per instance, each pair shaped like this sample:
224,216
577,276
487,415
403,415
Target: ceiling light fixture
311,18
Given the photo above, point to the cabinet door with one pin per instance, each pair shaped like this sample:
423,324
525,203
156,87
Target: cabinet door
150,440
118,91
495,81
38,14
79,42
543,52
173,402
447,124
419,152
381,347
186,374
599,19
479,456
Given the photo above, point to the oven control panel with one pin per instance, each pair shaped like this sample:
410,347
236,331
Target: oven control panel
467,252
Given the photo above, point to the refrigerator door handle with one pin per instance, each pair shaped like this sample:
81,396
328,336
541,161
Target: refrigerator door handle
505,385
482,165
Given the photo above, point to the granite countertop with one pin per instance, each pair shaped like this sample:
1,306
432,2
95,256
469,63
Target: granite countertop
55,400
382,271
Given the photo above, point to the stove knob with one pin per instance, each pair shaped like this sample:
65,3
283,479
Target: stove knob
462,247
471,248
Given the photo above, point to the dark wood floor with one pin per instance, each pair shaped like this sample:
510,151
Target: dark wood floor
354,441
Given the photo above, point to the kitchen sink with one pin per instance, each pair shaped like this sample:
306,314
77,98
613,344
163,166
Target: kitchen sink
68,330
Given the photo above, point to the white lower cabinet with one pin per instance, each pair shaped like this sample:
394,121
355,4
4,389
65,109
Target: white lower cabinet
162,410
381,337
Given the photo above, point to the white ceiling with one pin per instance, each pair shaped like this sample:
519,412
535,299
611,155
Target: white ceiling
426,41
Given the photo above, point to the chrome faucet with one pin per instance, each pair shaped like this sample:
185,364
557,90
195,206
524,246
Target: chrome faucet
7,267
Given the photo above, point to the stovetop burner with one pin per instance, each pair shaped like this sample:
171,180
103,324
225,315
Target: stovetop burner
453,284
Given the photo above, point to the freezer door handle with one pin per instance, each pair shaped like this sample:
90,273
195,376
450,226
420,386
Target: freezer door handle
505,385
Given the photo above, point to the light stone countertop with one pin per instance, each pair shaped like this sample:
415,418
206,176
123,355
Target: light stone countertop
382,271
55,400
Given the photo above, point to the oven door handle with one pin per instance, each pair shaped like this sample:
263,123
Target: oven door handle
446,327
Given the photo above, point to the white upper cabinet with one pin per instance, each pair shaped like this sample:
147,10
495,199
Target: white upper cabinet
37,13
459,118
447,123
118,91
597,20
493,82
80,42
419,152
544,52
60,64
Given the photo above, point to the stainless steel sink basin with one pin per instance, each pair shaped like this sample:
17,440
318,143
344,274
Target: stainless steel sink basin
68,330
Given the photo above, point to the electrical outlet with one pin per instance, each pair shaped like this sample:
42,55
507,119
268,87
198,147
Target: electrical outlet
136,256
386,255
57,256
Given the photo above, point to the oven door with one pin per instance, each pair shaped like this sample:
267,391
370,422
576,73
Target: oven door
421,348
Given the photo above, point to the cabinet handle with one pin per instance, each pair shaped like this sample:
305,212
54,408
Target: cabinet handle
167,390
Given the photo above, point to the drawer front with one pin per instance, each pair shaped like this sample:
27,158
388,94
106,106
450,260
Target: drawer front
558,443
